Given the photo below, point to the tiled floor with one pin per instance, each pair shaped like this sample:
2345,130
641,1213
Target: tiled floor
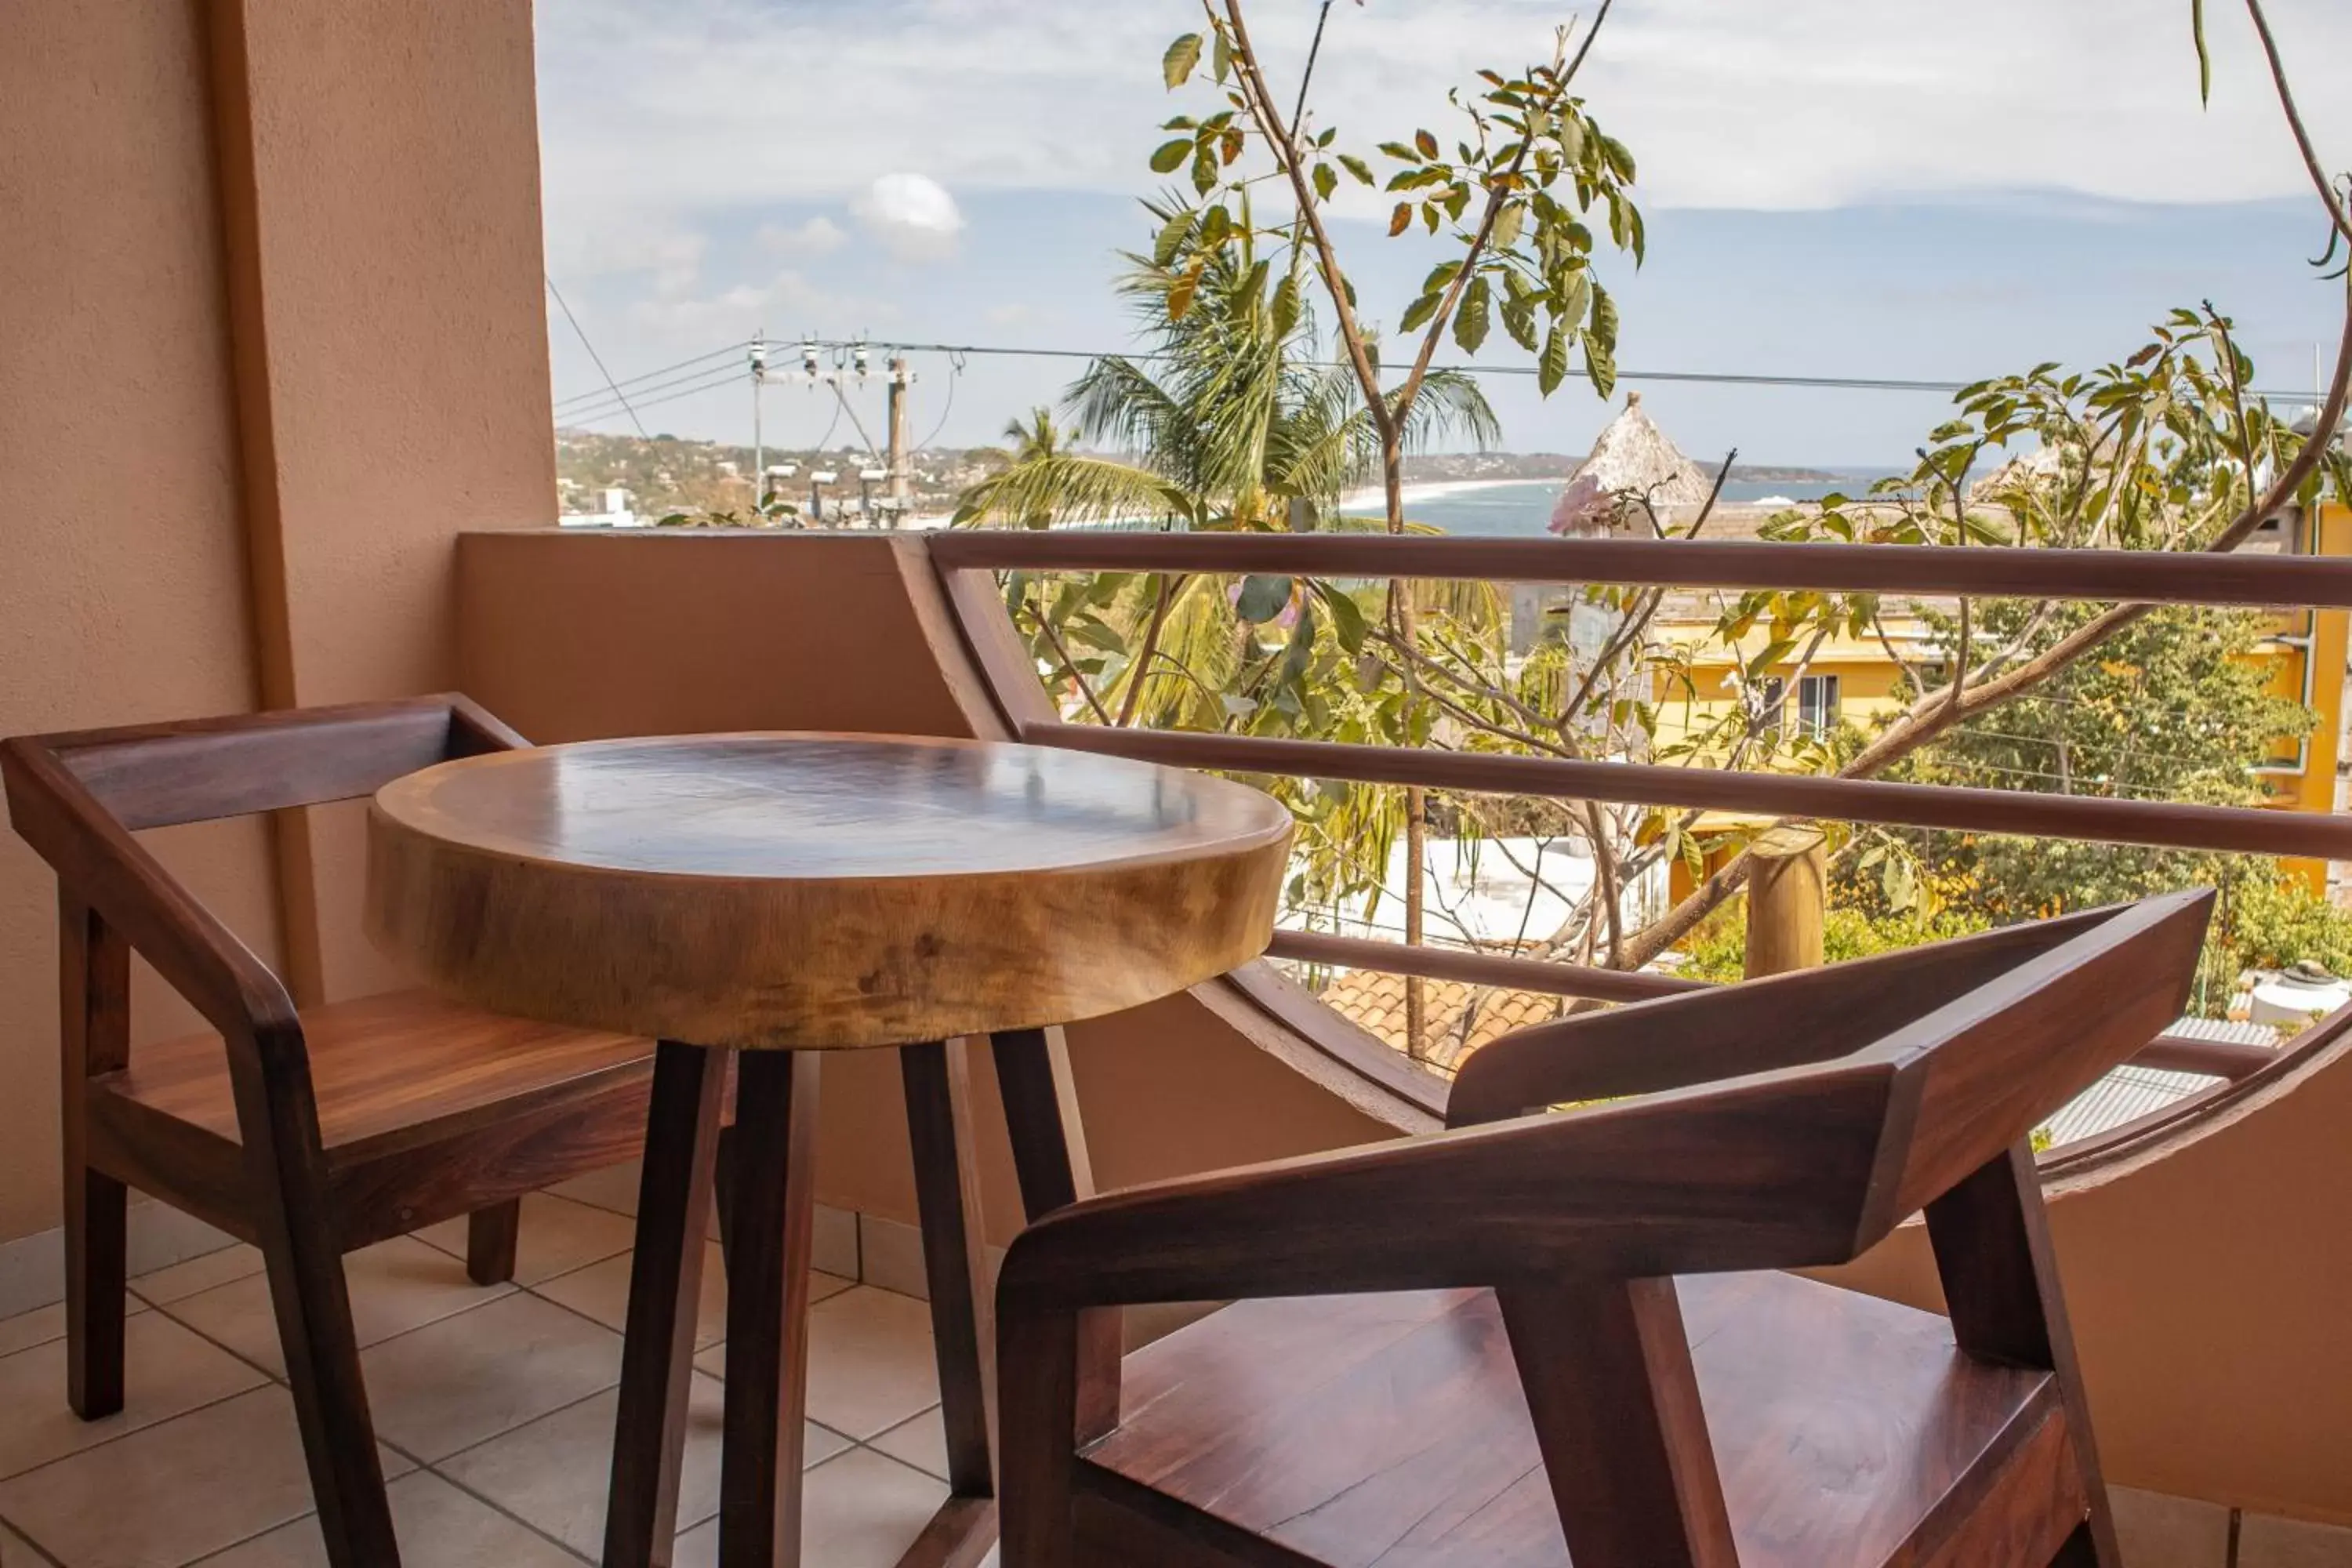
494,1407
495,1410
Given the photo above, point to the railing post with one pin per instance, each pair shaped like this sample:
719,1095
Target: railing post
1788,890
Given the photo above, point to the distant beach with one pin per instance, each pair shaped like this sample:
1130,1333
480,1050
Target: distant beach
1523,507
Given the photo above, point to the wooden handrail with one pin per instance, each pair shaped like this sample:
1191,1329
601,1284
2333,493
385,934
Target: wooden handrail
1477,968
2136,576
963,560
2174,1053
2250,829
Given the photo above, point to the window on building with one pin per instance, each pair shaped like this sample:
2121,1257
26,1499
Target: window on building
1817,705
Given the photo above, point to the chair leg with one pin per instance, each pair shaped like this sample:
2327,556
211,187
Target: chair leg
1037,1414
94,1010
491,1234
322,1364
96,1210
305,1270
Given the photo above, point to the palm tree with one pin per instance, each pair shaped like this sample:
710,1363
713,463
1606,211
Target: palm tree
1037,441
1236,420
1238,425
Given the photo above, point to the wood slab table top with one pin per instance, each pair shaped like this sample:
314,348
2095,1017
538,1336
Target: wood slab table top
807,890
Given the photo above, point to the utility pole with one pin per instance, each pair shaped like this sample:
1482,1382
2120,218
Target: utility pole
759,447
901,486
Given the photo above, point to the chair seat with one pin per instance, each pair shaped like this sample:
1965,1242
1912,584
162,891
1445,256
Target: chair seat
389,1068
1351,1430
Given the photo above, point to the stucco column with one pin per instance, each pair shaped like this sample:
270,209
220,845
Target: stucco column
378,176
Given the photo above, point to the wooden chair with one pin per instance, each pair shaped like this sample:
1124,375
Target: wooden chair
307,1134
1473,1347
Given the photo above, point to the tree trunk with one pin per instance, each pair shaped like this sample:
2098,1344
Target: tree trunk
1416,801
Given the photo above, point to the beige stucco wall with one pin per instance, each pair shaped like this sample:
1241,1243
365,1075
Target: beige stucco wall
122,576
394,267
370,173
2208,1283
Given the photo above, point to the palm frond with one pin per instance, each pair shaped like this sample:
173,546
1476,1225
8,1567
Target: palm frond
1069,489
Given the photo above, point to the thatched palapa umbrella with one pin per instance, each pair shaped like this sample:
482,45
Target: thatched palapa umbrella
1631,460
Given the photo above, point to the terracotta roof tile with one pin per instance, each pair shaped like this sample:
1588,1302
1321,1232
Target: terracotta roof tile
1459,1018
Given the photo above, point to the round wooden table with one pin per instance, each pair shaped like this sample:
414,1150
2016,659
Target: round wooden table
766,896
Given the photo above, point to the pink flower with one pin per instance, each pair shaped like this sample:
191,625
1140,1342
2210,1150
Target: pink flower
1584,507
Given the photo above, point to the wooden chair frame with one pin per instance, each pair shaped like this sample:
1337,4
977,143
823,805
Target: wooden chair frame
78,799
1785,1123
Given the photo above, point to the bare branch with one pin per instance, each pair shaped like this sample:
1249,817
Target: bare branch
1140,668
2336,213
1045,625
1260,99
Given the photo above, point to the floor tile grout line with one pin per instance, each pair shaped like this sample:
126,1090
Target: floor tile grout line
271,1379
435,1465
227,1350
415,1461
500,1509
888,1459
132,1432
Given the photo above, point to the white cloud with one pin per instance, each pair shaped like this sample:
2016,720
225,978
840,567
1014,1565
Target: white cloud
817,236
681,105
733,311
911,214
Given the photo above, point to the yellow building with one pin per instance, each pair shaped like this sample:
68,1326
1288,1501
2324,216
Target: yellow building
1857,680
2309,656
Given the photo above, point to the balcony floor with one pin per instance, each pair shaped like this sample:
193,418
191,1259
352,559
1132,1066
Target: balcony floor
494,1407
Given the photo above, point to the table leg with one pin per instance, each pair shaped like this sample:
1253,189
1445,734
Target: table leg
767,1309
664,1285
938,1079
1049,1155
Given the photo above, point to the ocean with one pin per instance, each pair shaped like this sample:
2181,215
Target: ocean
1523,507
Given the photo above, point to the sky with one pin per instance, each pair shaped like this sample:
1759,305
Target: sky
1849,188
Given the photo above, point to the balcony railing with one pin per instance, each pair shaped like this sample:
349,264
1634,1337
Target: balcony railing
968,562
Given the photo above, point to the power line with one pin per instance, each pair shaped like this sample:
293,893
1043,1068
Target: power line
1724,378
593,354
606,403
610,386
598,404
729,379
955,375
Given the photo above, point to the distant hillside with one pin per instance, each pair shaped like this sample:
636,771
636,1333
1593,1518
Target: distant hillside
668,473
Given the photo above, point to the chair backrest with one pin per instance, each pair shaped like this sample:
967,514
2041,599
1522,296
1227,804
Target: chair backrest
1916,1086
1884,1082
1975,1075
1789,1020
77,798
159,775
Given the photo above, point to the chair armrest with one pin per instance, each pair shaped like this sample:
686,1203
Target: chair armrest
1760,1026
1760,1172
103,865
474,729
